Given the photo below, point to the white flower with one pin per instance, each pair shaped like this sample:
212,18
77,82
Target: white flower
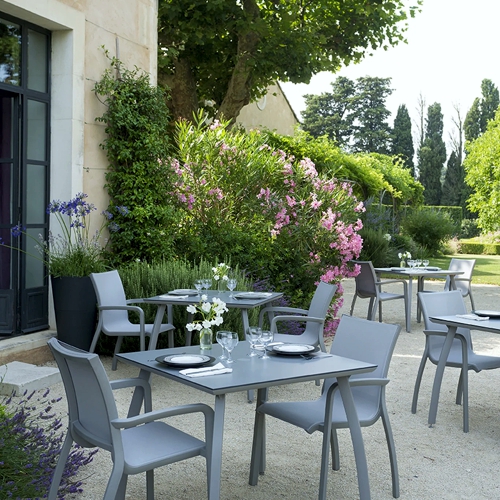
211,313
400,255
191,309
387,236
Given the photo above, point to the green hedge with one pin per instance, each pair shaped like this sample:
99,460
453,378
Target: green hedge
474,247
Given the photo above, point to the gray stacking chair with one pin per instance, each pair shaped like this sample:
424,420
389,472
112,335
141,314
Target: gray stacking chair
356,339
137,444
368,286
461,354
463,281
314,318
113,310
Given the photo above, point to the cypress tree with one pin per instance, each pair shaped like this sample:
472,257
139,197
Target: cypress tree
402,140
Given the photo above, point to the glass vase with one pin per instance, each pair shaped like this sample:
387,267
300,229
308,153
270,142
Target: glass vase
402,264
206,339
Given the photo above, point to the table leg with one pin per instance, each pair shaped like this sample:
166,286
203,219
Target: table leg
356,438
438,378
408,304
258,460
138,396
160,312
420,288
246,326
216,458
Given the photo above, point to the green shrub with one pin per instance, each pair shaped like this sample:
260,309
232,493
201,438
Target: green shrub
469,228
375,247
428,228
479,248
141,279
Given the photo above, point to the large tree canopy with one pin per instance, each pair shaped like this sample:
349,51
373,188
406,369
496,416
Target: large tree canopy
230,51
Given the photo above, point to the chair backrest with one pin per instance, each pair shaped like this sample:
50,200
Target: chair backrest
91,403
367,341
462,281
318,308
442,304
109,291
366,279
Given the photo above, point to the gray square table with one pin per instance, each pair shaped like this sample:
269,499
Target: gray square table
164,301
256,373
454,322
420,273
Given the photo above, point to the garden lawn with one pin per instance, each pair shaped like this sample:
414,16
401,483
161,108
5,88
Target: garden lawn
486,271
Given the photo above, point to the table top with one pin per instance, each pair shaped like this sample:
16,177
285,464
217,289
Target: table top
250,372
245,303
417,271
490,325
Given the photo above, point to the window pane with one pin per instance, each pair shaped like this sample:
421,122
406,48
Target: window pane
10,52
35,201
35,268
37,111
37,61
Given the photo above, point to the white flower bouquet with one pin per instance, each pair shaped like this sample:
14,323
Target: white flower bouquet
211,313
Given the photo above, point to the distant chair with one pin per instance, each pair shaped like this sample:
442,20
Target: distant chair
314,318
463,281
113,310
461,354
357,339
368,286
137,444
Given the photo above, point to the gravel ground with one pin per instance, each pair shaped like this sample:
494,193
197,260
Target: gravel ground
440,462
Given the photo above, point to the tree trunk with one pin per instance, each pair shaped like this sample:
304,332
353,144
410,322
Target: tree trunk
238,93
184,98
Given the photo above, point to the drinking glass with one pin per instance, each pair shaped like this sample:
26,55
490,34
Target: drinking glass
411,263
198,284
231,341
418,262
265,339
207,283
425,262
221,336
254,334
231,285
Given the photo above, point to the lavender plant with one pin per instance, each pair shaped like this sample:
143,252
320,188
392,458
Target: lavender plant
30,443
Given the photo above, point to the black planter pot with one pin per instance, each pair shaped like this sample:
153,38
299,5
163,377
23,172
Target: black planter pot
75,305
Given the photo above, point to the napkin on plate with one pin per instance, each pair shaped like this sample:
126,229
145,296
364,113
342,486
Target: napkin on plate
207,370
473,316
166,296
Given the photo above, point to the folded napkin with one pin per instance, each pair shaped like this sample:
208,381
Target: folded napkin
208,370
175,297
473,316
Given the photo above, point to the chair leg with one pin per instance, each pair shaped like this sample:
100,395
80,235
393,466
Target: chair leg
372,309
392,450
334,444
150,485
460,388
380,311
61,463
352,305
118,346
471,300
418,381
117,484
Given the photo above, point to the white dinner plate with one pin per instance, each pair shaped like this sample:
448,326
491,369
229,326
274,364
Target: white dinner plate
430,268
293,349
185,360
252,295
490,314
183,291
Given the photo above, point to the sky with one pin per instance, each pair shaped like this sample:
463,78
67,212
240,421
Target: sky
452,46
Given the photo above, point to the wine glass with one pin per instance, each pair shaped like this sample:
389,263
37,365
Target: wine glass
411,263
231,341
198,284
207,283
254,334
231,285
425,262
221,336
265,339
418,262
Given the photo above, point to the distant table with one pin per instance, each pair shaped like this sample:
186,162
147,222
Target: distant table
420,273
251,373
454,322
164,301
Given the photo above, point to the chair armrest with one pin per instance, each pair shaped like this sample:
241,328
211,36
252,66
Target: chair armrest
302,319
442,333
136,309
384,282
359,382
127,423
270,310
135,301
135,382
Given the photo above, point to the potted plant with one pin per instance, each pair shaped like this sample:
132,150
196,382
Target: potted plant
70,257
